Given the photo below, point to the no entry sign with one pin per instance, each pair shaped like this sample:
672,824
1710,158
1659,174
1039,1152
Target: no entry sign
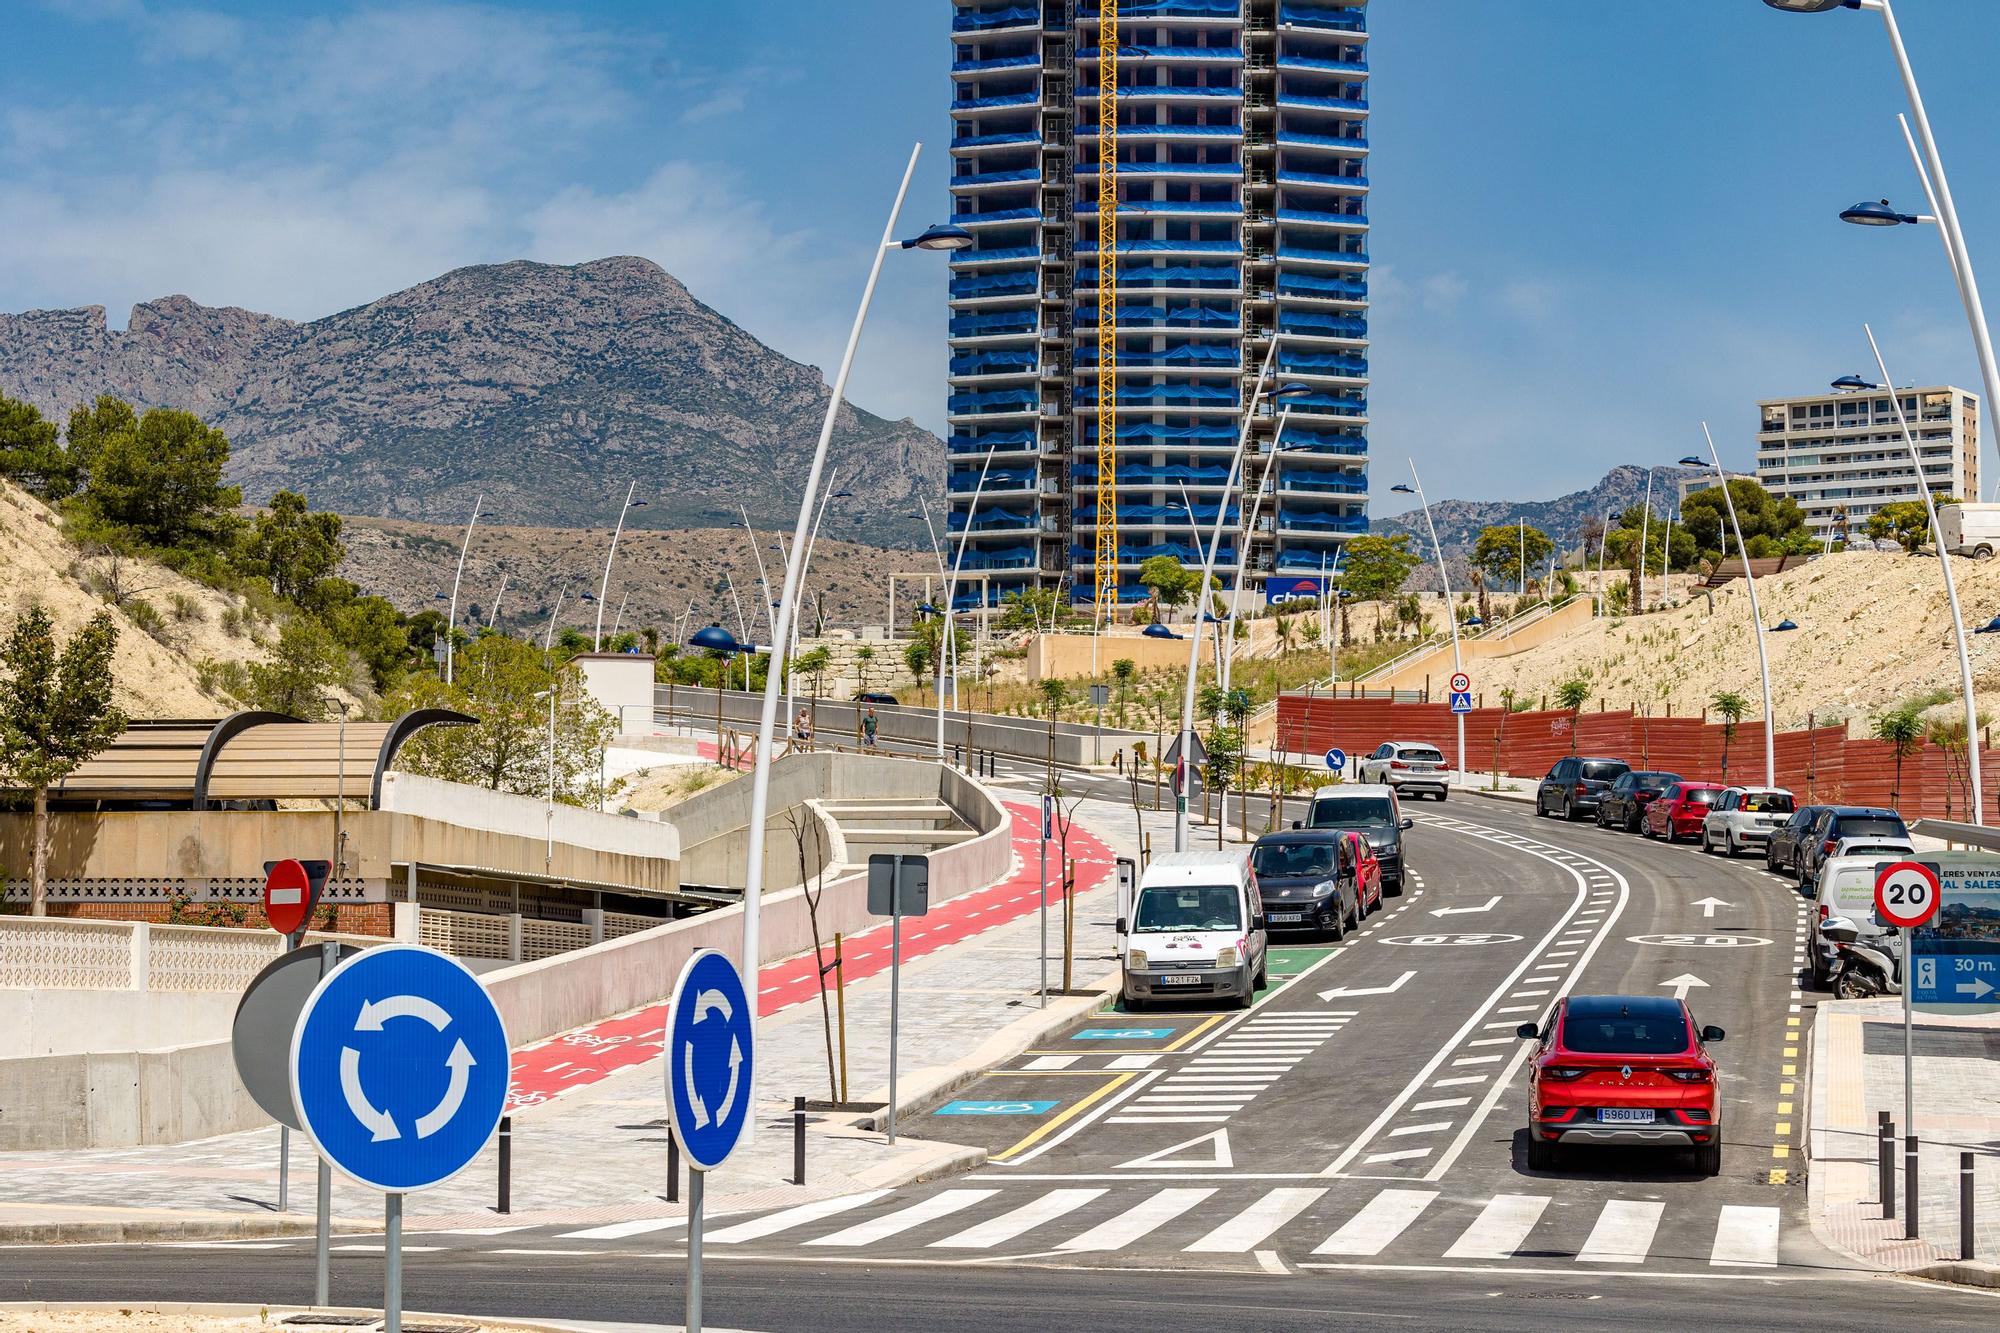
291,891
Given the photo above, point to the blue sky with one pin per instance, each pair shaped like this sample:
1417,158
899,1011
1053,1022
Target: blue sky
1596,221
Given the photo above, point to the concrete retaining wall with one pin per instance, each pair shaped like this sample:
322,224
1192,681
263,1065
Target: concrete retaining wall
123,1099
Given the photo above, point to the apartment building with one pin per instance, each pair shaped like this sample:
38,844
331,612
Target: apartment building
1240,169
1841,455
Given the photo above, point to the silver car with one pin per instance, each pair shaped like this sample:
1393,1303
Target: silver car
1745,817
1413,768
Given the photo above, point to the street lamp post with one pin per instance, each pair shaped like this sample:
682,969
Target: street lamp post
1930,169
604,586
1645,525
934,238
1950,585
1243,543
944,644
451,620
1756,617
1444,578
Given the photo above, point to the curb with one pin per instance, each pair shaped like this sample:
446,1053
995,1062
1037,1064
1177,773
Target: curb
277,1313
1961,1272
142,1230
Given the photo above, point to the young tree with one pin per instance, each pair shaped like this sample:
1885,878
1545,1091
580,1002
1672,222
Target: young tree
1906,521
1497,551
1376,568
1732,706
1169,582
1055,693
864,657
293,547
1573,694
1123,670
814,664
55,713
304,665
1903,728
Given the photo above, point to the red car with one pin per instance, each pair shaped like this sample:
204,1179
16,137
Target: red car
1356,850
1623,1069
1681,810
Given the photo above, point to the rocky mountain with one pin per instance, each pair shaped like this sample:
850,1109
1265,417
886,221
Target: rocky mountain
545,388
1567,518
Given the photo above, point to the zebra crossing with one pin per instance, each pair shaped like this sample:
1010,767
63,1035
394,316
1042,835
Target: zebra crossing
1313,1224
1223,1077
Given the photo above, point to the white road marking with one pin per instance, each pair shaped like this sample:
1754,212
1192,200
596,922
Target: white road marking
773,1223
1500,1228
1404,1155
1441,1104
1380,1221
1431,1128
1476,1060
1247,1229
1041,1062
1495,1041
1135,1118
619,1230
1623,1234
996,1230
903,1219
1746,1236
1137,1222
1132,1062
1460,1081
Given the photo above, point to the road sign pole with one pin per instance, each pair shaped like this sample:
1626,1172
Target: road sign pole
329,955
693,1318
1044,889
392,1268
284,1168
896,984
1909,1096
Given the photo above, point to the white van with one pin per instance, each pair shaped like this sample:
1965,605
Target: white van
1846,888
1191,928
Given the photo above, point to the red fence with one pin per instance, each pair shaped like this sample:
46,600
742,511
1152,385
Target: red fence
1820,765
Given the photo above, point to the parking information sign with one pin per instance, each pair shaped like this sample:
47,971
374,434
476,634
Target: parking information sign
399,1067
1955,955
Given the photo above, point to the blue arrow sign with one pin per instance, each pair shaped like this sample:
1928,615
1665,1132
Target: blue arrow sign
1336,759
1461,701
399,1067
711,1062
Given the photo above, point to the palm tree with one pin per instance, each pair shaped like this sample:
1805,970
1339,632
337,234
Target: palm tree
1055,693
1122,671
1573,694
863,657
1732,706
1904,730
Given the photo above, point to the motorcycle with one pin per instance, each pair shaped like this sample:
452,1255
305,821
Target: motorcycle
1862,969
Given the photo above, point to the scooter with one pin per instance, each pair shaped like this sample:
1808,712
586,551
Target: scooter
1862,969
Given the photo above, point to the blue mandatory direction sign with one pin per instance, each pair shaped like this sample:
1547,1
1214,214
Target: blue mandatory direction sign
1336,759
1461,701
710,1059
399,1067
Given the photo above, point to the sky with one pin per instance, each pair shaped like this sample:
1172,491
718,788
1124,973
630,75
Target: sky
1596,223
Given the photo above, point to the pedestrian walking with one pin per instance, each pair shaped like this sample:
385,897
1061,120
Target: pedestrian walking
868,725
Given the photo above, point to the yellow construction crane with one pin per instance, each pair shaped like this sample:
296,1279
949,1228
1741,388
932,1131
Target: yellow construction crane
1107,312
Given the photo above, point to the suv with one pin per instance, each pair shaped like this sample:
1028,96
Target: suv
1413,768
1745,817
1624,806
1575,786
1372,811
1781,853
1845,821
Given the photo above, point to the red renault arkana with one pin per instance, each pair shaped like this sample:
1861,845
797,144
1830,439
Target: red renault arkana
1623,1069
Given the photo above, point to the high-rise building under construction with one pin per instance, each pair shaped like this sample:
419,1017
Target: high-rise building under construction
1238,160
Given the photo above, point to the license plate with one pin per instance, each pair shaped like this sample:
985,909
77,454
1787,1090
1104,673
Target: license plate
1178,979
1624,1116
1282,917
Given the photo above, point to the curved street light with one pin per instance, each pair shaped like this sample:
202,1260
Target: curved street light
1990,627
1879,213
1444,578
1756,616
604,585
451,619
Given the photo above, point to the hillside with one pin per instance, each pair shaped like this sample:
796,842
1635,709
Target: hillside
546,388
1874,630
156,672
663,572
1565,518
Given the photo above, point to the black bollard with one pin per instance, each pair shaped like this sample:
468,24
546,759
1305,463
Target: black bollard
506,1164
798,1140
1885,1163
1965,1245
1910,1168
673,1169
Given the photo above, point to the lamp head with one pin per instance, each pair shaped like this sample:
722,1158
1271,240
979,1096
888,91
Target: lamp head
1850,382
715,639
1990,627
1692,461
1874,213
1812,6
1158,631
1293,390
1401,489
942,236
1784,625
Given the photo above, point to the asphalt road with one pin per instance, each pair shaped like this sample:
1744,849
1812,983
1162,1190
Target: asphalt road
1349,1152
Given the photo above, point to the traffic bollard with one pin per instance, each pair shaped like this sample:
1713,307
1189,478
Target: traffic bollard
798,1140
506,1164
673,1169
1910,1166
1885,1164
1965,1207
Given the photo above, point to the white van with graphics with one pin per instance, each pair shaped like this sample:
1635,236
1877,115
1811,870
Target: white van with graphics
1191,928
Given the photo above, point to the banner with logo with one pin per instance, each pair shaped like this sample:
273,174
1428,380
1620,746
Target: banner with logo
1280,589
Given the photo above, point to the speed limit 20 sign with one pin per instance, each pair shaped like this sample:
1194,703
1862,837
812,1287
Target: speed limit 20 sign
1460,682
1906,893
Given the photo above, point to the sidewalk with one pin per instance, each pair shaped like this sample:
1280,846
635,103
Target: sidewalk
1857,1071
589,1144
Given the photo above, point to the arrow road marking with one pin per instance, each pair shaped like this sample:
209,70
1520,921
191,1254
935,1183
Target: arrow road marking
1339,991
381,1123
1708,905
460,1060
1486,906
1683,983
400,1006
1976,988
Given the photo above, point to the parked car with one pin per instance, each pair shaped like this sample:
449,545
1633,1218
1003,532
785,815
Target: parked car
1845,889
1194,929
1624,805
1576,785
1622,1070
1414,768
1744,817
1316,879
1781,854
1839,822
1372,811
1875,846
874,697
1678,812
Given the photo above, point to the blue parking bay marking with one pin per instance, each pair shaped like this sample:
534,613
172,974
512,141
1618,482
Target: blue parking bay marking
1119,1034
996,1108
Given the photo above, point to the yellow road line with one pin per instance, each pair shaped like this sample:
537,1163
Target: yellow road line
1194,1032
1043,1130
1051,1073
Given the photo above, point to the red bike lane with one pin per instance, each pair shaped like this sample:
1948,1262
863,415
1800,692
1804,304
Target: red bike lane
587,1055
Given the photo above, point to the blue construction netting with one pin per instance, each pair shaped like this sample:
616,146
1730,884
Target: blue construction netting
1088,54
1301,177
1193,9
1146,431
1320,481
1084,472
966,482
1167,275
965,217
1293,60
985,256
1307,362
1007,99
1007,557
1293,245
1292,518
1329,215
1336,404
1137,247
995,322
1317,321
1165,206
1142,91
974,362
997,62
1141,130
1145,393
1339,17
1300,139
992,284
1000,400
993,520
996,177
1134,555
987,441
977,19
1179,354
1152,316
1325,442
1310,560
1287,97
1316,284
995,140
1173,515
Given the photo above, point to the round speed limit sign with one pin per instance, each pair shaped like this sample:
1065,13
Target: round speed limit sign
1460,682
1906,893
